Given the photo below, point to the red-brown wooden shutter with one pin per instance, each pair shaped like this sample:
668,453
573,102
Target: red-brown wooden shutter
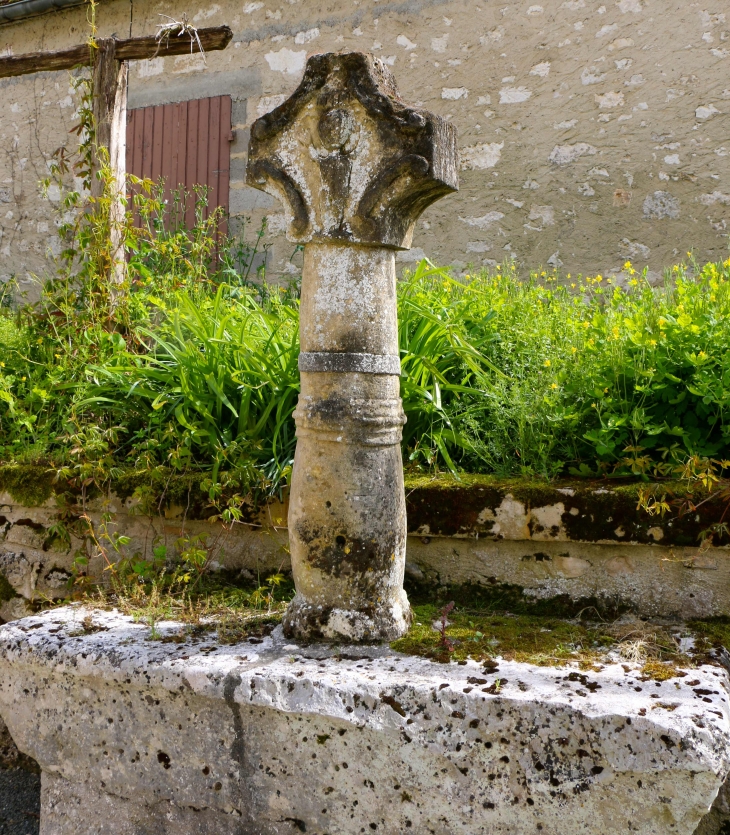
187,143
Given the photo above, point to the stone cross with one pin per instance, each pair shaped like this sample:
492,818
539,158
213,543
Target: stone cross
354,167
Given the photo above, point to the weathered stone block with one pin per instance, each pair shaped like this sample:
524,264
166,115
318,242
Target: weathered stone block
140,736
350,161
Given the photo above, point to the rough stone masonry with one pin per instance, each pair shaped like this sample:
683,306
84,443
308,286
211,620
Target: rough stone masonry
591,132
354,168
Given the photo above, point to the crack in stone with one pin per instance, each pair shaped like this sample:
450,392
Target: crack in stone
238,749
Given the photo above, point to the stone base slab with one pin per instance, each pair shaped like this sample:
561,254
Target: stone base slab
155,737
83,809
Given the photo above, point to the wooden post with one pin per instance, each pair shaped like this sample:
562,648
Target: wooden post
110,119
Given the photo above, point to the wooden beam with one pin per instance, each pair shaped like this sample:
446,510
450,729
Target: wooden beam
130,49
43,61
137,49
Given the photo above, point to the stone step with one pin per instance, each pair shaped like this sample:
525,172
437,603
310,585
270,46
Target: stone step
579,540
184,735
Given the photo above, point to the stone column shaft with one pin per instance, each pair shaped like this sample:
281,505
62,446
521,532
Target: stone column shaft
347,523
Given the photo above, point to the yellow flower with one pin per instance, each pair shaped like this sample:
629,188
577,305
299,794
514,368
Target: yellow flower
554,386
633,282
586,325
652,342
628,265
574,349
23,379
547,363
573,285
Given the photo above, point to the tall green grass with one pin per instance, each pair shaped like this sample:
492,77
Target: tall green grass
196,367
217,387
586,377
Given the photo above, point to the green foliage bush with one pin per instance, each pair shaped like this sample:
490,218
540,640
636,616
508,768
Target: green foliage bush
587,377
499,375
191,363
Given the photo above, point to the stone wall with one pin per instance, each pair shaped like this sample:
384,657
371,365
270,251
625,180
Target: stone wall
590,132
584,544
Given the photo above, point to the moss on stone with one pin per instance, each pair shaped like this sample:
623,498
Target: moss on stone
593,510
483,628
29,485
660,672
161,487
713,632
533,487
481,636
510,597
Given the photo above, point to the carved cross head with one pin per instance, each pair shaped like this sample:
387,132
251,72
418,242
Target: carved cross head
349,160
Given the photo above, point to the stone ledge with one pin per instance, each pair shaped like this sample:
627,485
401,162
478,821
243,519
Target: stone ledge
579,540
197,737
573,510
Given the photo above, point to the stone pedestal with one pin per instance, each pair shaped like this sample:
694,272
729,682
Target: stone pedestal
153,737
354,167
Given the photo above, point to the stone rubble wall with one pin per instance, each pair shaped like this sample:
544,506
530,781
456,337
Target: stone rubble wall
590,132
577,541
